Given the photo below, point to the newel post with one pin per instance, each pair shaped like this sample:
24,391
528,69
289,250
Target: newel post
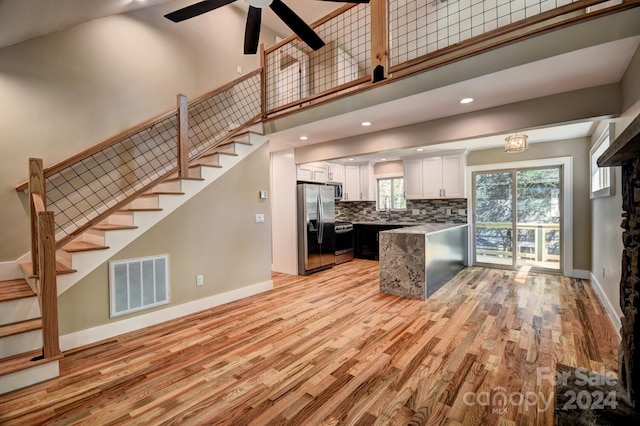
379,40
183,136
36,187
48,285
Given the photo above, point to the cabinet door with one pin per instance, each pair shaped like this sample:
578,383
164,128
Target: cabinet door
335,172
413,179
453,176
432,177
320,174
365,185
304,173
352,183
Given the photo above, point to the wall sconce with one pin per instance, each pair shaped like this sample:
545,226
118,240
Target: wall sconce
515,143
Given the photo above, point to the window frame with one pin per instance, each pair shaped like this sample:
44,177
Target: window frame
390,177
604,173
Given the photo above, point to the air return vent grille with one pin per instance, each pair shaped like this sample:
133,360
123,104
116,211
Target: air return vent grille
137,284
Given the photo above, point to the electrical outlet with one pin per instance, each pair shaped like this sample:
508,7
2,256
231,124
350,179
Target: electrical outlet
200,280
462,212
415,212
448,212
259,218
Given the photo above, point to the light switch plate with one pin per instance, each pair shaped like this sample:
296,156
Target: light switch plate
259,218
263,195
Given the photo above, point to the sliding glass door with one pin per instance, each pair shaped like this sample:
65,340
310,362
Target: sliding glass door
517,218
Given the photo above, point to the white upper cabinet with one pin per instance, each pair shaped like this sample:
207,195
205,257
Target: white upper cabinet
335,172
434,177
312,172
357,186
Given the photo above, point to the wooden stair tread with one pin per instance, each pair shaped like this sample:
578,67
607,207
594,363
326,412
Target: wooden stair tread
231,142
61,269
23,362
182,178
211,154
151,194
141,209
20,327
15,289
109,227
217,166
78,246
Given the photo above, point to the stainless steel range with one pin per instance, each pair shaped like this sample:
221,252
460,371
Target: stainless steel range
344,241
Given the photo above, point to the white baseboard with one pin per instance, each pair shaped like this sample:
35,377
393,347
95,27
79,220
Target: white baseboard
580,273
608,306
96,334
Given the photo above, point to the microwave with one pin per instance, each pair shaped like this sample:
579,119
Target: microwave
337,190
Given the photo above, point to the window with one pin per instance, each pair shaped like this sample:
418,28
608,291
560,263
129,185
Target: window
391,194
601,177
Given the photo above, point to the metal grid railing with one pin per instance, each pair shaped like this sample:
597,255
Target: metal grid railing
91,187
418,28
295,72
212,118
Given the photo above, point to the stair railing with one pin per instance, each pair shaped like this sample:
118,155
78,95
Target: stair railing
43,256
88,187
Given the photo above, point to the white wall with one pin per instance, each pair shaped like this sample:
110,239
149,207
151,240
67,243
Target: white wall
284,212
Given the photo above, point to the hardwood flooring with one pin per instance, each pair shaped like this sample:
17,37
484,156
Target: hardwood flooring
330,349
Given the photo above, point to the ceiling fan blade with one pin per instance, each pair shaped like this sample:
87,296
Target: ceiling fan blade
252,30
196,9
297,25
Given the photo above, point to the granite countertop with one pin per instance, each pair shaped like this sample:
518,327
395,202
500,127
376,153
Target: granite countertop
384,222
426,229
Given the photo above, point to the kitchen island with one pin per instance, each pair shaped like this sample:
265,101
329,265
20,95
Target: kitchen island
416,261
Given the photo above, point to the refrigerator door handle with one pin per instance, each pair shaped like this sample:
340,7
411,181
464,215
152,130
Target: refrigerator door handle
320,220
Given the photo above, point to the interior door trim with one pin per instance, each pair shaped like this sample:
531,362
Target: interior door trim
566,164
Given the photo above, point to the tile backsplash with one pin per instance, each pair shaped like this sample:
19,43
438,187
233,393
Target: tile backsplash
428,211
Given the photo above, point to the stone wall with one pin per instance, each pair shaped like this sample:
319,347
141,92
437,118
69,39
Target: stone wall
630,281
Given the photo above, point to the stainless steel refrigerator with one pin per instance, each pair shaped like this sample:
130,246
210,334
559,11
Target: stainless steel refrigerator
316,220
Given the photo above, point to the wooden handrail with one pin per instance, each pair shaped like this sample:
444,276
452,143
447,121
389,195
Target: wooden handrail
38,203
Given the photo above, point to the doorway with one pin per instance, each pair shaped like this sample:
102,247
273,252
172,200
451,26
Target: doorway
518,218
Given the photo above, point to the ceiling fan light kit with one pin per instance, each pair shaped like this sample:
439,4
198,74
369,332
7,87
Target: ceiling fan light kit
254,19
515,143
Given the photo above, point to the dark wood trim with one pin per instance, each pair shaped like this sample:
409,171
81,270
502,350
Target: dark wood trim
624,148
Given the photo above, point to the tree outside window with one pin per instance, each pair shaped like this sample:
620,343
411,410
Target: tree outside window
393,188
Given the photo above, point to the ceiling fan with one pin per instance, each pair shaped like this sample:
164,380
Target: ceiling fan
254,18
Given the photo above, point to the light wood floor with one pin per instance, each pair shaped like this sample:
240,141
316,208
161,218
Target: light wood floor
330,349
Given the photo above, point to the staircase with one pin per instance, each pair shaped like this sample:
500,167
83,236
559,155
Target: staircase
21,338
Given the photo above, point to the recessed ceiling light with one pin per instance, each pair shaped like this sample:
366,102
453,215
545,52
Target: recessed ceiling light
352,159
366,123
383,159
466,100
420,149
303,138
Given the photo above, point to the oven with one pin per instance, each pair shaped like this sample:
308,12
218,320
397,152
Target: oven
344,241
